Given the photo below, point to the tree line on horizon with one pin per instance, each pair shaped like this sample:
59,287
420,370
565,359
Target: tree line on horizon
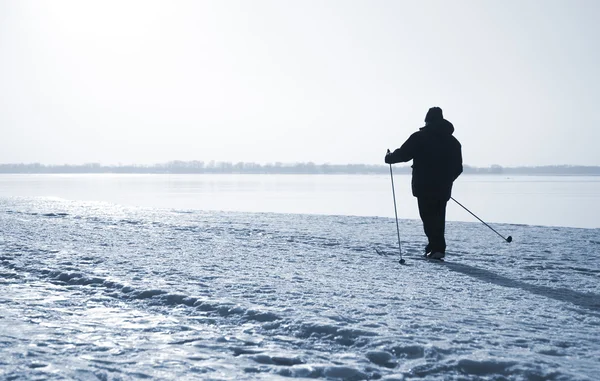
212,167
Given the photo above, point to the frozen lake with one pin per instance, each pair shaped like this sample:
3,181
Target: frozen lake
538,200
95,291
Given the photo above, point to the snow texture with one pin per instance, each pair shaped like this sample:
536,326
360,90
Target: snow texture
93,291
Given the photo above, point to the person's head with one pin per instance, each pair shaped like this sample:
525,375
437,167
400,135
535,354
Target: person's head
433,115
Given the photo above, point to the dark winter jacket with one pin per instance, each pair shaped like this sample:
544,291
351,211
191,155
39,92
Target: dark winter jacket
437,159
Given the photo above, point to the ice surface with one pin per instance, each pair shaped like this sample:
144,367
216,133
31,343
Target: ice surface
95,291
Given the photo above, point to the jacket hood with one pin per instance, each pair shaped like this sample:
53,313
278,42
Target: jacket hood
439,126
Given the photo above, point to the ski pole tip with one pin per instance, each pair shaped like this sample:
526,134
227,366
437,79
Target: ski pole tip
509,239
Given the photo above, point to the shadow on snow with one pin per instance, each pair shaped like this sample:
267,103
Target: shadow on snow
588,301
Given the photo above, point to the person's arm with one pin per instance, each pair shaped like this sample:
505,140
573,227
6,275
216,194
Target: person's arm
458,167
404,153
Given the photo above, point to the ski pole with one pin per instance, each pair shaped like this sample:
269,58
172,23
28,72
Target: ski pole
509,239
396,214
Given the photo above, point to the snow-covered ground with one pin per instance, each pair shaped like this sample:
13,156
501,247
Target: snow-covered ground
93,291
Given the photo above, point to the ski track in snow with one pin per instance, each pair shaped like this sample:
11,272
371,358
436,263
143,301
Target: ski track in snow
94,291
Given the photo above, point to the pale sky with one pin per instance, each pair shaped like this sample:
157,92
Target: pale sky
295,81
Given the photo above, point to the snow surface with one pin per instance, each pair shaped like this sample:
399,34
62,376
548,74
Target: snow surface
95,291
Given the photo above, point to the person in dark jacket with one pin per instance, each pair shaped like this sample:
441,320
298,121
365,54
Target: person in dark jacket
437,162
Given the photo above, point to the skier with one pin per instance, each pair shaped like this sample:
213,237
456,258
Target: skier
437,162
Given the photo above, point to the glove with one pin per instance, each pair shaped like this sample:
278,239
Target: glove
388,157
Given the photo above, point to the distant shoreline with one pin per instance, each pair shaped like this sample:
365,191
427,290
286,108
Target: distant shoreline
199,167
295,174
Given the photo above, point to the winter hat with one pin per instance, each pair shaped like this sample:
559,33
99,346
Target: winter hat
434,114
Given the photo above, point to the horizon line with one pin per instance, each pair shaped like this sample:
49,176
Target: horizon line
212,163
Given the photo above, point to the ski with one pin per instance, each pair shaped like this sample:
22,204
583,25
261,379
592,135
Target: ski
426,258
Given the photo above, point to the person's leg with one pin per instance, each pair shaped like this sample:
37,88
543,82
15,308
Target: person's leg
438,226
425,211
